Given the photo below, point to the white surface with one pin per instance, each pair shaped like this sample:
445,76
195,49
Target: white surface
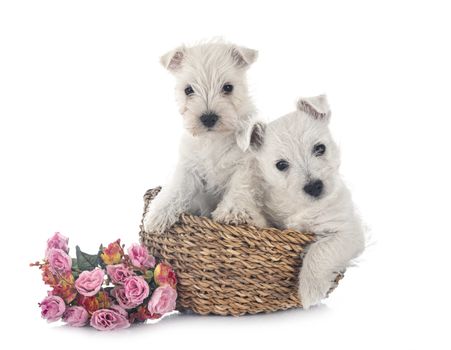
88,122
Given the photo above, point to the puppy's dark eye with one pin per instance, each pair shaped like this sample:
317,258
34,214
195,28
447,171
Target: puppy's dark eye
227,88
282,165
319,149
189,90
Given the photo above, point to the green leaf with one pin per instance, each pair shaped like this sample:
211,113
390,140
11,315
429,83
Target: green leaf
75,269
86,262
148,276
74,264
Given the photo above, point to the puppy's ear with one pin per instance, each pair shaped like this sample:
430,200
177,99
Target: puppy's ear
316,106
257,136
173,59
251,136
243,56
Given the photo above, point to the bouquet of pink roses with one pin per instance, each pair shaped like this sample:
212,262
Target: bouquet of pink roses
109,290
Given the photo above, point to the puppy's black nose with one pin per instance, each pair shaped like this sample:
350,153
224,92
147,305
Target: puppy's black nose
314,188
209,119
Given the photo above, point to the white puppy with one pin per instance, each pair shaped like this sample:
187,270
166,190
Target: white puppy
212,176
303,190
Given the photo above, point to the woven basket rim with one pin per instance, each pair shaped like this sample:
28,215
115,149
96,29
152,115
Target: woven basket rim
273,233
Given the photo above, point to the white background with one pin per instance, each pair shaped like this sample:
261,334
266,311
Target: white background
88,122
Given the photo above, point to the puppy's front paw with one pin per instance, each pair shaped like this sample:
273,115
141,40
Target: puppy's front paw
235,216
312,289
230,215
158,221
257,219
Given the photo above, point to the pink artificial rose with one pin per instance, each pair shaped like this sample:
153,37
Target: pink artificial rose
76,316
119,294
52,308
108,320
118,273
90,282
119,310
140,257
162,300
57,241
59,261
136,289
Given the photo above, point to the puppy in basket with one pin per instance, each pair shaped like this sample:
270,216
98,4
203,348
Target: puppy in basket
212,177
299,163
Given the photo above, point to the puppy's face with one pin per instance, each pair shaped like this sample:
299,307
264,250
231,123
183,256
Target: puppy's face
211,88
298,158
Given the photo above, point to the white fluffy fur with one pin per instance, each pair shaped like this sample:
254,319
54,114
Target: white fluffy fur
211,177
331,216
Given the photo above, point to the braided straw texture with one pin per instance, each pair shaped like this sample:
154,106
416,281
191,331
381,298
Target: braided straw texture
229,270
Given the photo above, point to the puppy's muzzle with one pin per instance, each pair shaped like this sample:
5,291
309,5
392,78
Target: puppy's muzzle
314,188
209,119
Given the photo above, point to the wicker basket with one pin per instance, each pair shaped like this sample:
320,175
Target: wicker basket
229,270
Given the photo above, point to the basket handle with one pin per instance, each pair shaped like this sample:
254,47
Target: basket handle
148,197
